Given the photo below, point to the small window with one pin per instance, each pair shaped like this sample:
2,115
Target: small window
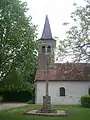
48,49
43,49
62,91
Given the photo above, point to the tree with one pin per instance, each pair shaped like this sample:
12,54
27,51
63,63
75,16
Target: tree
18,45
77,42
12,82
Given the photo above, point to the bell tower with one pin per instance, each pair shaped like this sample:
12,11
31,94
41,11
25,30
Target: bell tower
48,44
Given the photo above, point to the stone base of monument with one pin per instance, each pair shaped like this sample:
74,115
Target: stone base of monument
56,113
47,109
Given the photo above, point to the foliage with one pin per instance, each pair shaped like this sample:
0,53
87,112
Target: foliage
14,96
17,40
1,98
85,101
89,91
12,82
77,41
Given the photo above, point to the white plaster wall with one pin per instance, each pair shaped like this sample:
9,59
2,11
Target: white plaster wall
73,91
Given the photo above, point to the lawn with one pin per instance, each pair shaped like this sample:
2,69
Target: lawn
75,113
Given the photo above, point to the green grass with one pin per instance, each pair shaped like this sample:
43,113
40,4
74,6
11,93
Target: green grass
75,113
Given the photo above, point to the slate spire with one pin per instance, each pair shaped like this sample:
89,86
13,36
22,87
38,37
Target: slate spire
46,35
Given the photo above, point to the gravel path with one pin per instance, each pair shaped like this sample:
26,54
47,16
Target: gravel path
10,105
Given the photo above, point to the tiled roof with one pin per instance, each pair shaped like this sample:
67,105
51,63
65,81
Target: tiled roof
41,75
66,71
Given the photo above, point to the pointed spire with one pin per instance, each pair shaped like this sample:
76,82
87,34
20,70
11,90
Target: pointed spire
47,30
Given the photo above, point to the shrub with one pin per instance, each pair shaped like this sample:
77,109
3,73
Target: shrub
1,98
14,96
89,91
85,101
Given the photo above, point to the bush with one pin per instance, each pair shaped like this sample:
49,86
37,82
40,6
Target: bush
89,91
1,98
14,96
85,101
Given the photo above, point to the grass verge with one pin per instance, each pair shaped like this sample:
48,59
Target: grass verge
75,113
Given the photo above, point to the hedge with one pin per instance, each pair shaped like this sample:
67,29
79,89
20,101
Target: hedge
14,96
85,101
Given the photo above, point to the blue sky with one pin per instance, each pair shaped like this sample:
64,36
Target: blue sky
58,12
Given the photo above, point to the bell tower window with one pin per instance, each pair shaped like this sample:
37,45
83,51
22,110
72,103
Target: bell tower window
48,49
43,49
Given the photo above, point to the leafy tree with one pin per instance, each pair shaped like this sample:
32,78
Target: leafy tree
77,42
12,82
17,40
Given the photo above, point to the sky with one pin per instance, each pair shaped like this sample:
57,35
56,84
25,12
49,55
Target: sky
58,12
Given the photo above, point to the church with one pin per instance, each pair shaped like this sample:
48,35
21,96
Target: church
67,82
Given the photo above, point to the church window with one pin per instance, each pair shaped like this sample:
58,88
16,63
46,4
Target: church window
48,49
43,49
62,91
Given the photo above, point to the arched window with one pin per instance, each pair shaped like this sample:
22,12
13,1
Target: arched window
62,91
43,49
48,49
